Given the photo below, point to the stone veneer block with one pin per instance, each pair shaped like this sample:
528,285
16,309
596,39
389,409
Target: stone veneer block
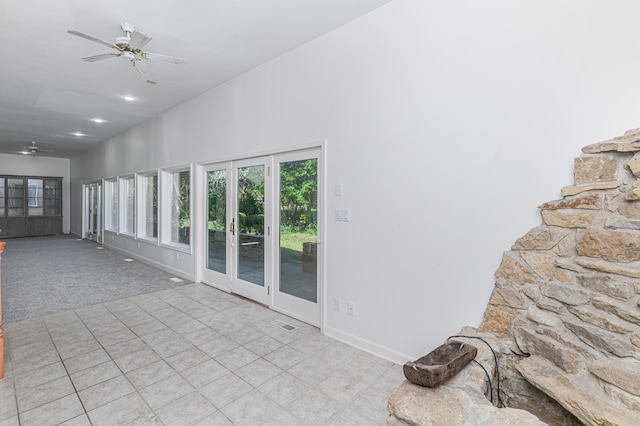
579,394
544,266
631,270
569,220
498,320
634,165
574,190
534,344
601,319
588,202
631,210
622,223
541,238
602,340
621,310
622,288
611,245
514,270
568,294
625,398
594,169
624,374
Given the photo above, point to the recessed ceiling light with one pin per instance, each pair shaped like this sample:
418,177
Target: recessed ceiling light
98,120
78,134
129,98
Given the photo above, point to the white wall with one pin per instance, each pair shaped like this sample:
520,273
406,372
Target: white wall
27,165
446,122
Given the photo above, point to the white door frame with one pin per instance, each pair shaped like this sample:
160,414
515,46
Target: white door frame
224,283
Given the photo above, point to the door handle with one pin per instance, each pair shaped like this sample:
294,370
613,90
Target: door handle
232,226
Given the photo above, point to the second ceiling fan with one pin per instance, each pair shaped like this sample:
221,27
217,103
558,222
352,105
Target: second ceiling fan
129,46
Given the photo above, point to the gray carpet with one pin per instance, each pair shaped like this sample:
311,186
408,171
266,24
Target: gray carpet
44,275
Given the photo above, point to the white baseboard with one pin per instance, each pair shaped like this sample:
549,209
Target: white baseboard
178,273
367,346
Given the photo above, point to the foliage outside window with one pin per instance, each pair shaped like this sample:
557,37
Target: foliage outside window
251,200
111,205
217,200
180,207
150,206
127,213
298,207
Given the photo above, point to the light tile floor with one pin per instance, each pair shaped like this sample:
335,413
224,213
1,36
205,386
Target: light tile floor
183,356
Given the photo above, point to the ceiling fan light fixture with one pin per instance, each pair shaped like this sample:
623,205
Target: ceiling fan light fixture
123,41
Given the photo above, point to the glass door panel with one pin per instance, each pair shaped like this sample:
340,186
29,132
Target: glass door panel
296,291
216,243
299,229
250,224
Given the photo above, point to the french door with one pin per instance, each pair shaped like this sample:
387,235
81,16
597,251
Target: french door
261,238
238,240
297,224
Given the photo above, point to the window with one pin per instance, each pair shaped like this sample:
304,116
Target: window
111,205
30,206
34,197
180,206
2,197
127,205
15,197
148,216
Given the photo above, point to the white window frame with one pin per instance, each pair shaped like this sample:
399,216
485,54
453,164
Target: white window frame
111,198
141,200
166,184
123,207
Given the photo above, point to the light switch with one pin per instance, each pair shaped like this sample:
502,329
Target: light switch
342,215
338,190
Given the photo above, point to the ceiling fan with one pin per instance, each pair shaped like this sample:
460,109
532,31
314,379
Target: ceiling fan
129,46
33,149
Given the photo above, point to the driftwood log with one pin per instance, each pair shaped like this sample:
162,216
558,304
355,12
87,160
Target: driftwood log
439,365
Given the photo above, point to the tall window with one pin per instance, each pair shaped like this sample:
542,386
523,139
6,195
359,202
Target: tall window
148,217
111,205
180,207
2,197
127,205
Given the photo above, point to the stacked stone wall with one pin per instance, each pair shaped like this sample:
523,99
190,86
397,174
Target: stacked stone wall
564,315
568,292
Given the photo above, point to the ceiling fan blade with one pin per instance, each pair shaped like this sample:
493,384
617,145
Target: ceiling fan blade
91,38
162,58
101,57
142,67
139,39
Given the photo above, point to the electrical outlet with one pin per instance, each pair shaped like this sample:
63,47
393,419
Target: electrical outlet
351,309
336,305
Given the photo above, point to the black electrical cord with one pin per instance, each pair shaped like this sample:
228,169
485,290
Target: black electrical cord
495,359
488,379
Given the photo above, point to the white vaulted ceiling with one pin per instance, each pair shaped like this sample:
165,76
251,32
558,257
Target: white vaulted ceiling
47,93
